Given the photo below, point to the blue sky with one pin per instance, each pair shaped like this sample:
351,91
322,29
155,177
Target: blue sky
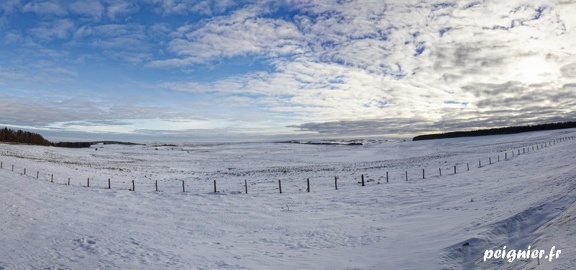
156,70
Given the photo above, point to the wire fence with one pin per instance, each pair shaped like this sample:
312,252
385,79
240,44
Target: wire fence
248,186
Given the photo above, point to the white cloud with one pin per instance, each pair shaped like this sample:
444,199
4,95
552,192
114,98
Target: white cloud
241,34
9,6
372,61
201,7
93,9
58,29
120,8
128,42
45,8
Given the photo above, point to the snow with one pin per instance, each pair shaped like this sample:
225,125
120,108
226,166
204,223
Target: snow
440,222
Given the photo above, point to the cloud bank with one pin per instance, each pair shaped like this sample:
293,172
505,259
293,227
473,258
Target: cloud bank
289,68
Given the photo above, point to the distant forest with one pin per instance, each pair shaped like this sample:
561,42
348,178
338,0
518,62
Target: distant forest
496,131
25,137
88,144
19,136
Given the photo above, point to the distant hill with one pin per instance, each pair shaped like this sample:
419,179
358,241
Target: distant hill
24,137
496,131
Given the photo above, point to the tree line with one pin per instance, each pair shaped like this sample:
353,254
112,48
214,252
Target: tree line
20,136
26,137
88,144
496,131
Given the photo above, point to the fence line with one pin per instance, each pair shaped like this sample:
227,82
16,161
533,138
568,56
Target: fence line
515,152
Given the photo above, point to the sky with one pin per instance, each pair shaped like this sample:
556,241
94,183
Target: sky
226,70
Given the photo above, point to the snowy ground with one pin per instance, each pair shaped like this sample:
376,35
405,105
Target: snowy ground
440,222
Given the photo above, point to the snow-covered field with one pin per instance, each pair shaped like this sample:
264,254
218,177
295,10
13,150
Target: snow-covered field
440,222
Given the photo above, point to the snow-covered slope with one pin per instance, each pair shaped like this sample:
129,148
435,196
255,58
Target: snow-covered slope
440,222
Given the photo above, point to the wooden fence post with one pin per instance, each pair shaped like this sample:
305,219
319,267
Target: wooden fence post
183,187
308,184
362,179
133,186
336,182
52,179
109,184
37,174
88,182
156,184
406,175
489,160
24,171
454,169
423,175
280,186
467,166
386,176
68,181
440,171
215,186
246,186
12,167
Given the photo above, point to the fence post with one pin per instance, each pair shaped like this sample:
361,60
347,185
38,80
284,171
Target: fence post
12,167
24,171
88,182
467,166
440,171
336,182
386,176
183,187
308,184
109,185
280,186
362,179
479,163
423,175
214,185
454,169
498,157
505,155
406,175
246,186
1,164
133,186
52,179
68,181
156,184
37,174
490,160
